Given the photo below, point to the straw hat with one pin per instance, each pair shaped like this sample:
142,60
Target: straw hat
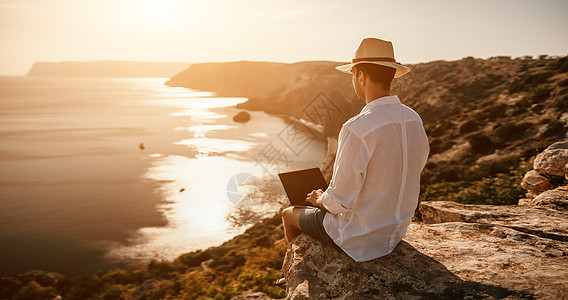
378,52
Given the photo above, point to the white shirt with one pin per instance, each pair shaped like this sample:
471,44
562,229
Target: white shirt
374,189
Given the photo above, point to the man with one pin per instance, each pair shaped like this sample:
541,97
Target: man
375,184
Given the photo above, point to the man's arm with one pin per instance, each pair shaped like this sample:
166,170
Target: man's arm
349,172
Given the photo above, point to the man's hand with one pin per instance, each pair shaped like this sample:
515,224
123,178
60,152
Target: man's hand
314,198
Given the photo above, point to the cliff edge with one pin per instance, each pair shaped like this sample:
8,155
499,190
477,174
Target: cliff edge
483,117
482,257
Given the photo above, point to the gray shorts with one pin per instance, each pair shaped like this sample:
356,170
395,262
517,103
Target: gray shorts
311,223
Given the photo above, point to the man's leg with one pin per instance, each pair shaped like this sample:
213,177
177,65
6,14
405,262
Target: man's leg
290,220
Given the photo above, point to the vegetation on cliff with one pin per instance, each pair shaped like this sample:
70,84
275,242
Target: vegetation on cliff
487,121
250,261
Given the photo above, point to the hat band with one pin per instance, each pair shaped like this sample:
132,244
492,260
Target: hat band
389,59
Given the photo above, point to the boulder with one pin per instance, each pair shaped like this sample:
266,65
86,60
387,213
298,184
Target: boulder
552,161
536,183
242,117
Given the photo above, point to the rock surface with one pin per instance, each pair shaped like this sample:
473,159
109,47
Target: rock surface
503,261
540,221
556,198
474,251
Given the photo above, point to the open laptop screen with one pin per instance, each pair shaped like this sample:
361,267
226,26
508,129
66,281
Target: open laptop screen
298,184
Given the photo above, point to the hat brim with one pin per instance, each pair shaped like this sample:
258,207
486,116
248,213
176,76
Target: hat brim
400,69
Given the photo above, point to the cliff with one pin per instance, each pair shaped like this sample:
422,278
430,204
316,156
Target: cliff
106,69
494,255
484,117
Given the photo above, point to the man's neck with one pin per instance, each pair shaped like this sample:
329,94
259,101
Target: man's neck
374,96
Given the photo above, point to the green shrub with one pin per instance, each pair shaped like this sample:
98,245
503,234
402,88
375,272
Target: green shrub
9,286
493,112
263,241
481,143
35,291
438,145
528,80
468,127
452,174
562,103
112,291
512,131
554,128
537,108
501,189
541,94
229,261
120,277
563,83
194,259
161,269
439,129
562,65
504,165
440,191
431,165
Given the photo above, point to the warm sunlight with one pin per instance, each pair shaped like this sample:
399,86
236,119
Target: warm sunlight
250,149
157,11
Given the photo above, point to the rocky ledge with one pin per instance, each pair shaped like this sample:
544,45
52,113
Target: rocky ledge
459,252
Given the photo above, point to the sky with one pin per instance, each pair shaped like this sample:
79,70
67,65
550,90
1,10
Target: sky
283,31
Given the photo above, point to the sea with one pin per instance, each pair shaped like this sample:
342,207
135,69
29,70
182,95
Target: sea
101,173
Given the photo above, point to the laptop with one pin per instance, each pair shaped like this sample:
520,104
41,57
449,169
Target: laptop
298,184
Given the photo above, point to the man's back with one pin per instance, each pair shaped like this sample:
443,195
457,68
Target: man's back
376,180
374,189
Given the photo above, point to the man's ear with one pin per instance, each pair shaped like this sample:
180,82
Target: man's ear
361,77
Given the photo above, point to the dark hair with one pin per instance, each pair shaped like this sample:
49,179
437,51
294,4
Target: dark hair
377,73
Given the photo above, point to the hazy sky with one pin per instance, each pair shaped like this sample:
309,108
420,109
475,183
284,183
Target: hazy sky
286,31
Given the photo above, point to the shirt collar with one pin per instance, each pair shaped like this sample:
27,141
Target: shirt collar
381,101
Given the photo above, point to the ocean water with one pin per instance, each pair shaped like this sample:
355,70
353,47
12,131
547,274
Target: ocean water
98,173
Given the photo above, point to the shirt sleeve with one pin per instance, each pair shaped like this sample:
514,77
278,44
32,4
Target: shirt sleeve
349,171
